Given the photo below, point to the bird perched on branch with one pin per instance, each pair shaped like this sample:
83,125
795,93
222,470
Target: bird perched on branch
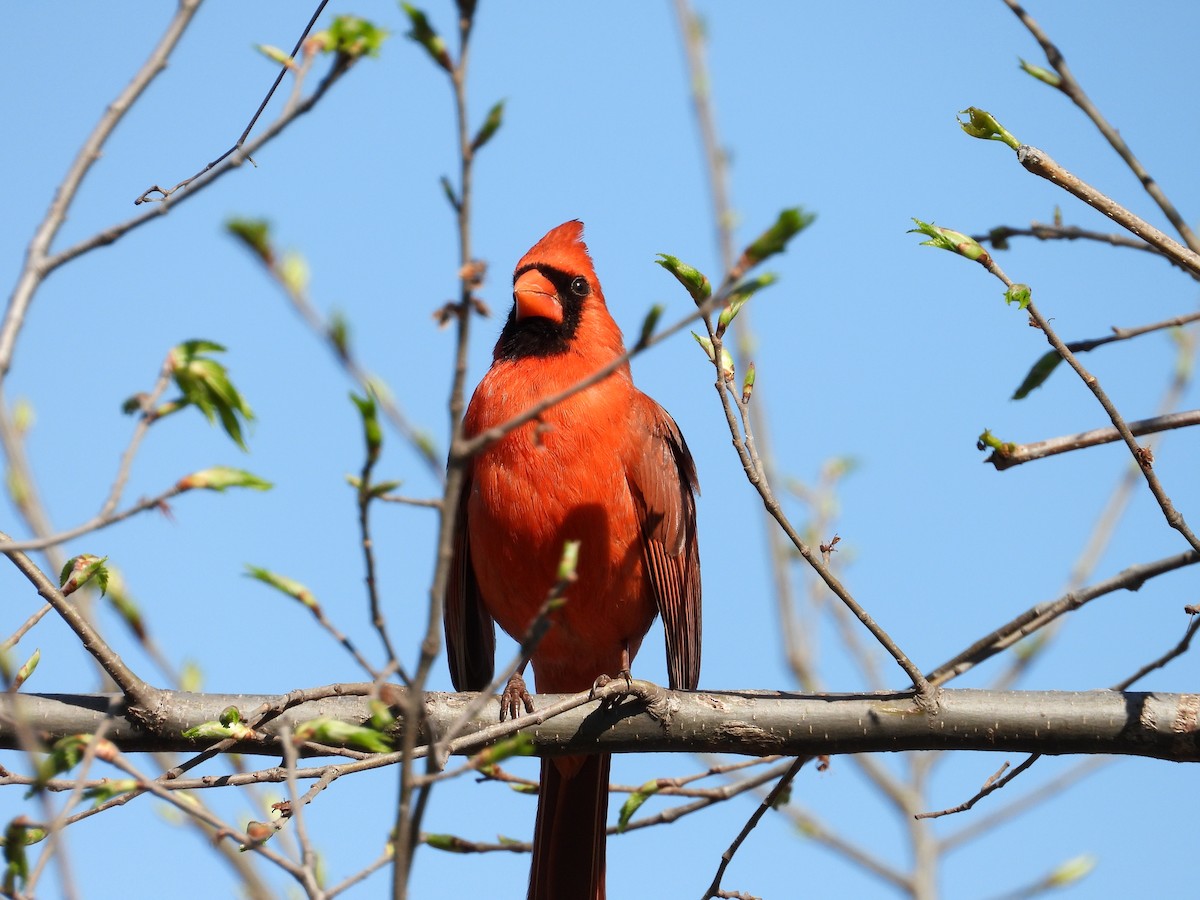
606,467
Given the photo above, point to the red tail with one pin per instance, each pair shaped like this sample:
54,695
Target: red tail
568,842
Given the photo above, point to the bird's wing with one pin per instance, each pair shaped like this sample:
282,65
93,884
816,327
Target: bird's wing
470,631
662,479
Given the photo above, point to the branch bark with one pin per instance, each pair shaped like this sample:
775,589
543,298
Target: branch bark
753,723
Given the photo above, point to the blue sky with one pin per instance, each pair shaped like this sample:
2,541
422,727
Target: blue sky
869,347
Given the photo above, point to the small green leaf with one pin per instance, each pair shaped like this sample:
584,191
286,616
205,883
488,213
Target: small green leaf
205,384
634,803
339,333
706,345
351,36
256,235
79,570
1073,870
285,585
982,124
569,561
748,383
447,842
372,430
520,744
650,323
775,239
230,715
275,55
382,718
215,731
422,33
32,836
380,488
124,604
954,241
1050,78
26,670
342,734
1038,374
16,863
294,274
220,478
448,190
23,416
491,125
693,279
107,789
987,440
1020,294
191,678
738,297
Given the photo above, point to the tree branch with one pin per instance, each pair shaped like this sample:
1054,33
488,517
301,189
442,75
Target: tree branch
755,723
1016,454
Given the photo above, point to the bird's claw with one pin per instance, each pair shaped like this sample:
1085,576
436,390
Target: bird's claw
515,696
605,680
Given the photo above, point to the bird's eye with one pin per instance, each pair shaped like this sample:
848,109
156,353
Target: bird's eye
580,287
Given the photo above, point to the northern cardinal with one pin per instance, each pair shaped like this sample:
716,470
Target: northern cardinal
607,467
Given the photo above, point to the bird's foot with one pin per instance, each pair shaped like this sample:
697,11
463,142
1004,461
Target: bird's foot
611,699
515,696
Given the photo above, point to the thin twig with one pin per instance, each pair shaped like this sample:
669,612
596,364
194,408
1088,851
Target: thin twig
717,165
1175,652
1036,617
983,825
783,784
297,295
1069,86
407,828
990,786
743,441
1040,163
137,691
1017,454
165,193
1144,460
308,858
1000,235
37,261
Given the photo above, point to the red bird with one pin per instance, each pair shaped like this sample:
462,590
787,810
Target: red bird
607,467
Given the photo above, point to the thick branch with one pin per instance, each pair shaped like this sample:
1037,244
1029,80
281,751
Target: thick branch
753,723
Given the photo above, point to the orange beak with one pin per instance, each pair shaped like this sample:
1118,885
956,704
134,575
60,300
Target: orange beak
536,297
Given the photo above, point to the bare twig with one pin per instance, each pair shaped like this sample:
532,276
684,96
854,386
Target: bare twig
990,786
1178,650
308,857
137,691
743,441
982,825
1069,86
408,817
717,165
37,261
1017,454
165,193
1144,460
1040,163
320,326
1130,579
783,784
1000,235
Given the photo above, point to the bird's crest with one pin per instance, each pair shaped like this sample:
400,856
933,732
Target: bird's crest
563,248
